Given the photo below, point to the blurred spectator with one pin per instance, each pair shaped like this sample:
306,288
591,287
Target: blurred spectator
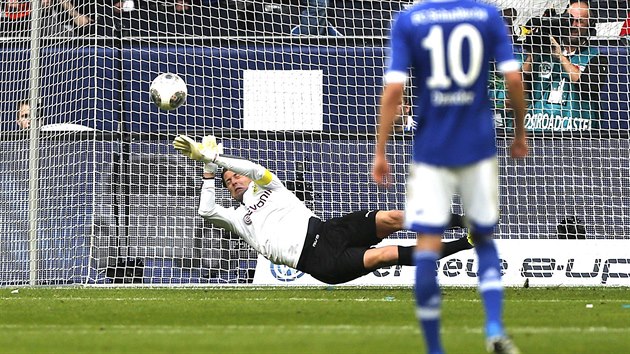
314,20
185,17
104,17
366,18
269,19
15,18
24,121
58,18
24,115
171,18
503,114
566,77
139,20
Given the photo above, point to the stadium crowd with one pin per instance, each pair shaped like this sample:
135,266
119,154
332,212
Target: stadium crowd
114,18
567,102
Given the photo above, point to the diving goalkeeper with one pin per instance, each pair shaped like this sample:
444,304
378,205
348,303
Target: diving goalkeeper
273,221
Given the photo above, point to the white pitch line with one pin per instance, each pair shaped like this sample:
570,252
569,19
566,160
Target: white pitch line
286,329
266,299
305,299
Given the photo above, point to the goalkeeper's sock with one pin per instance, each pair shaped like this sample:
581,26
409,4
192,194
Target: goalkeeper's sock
448,248
428,300
405,255
490,286
456,222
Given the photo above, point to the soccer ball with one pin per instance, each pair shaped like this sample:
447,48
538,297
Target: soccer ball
168,91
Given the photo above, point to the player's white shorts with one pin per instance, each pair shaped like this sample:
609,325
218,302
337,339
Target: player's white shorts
430,190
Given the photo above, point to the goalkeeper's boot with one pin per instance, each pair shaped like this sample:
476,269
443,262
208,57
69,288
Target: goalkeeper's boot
501,345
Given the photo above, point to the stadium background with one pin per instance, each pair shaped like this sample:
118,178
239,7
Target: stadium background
119,195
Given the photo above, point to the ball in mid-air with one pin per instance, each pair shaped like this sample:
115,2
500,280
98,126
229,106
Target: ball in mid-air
168,91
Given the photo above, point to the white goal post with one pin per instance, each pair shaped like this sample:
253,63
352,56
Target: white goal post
93,193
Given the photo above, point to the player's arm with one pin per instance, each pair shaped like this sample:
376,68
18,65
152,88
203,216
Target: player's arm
395,78
390,100
211,153
511,70
258,173
514,84
208,208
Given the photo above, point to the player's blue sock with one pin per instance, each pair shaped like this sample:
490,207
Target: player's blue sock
490,286
428,299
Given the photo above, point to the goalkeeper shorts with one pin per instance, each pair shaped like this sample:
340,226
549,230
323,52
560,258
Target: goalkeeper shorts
334,249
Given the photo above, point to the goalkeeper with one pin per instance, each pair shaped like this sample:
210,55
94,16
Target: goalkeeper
273,221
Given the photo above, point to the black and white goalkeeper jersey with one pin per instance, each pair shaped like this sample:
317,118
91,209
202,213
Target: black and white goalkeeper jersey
271,219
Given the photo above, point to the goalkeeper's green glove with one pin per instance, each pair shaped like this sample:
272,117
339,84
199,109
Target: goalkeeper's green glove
209,143
198,151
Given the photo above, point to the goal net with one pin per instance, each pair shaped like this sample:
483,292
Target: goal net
92,191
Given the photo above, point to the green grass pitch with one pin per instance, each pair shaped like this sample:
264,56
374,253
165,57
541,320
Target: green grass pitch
298,320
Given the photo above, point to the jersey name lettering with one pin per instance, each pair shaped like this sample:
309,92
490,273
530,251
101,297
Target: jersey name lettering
452,98
448,15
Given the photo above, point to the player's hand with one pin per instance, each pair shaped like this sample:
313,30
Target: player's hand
209,143
188,147
380,170
518,149
198,151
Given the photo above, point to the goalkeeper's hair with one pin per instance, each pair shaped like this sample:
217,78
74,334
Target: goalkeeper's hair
223,171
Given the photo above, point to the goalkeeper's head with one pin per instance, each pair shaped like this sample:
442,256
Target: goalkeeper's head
236,184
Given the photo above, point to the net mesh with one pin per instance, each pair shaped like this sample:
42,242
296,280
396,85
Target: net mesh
93,193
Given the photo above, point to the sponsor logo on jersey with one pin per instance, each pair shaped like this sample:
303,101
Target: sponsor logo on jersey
256,206
284,273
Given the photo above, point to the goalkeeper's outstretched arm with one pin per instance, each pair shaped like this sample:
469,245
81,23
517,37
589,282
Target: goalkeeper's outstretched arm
210,152
208,208
258,173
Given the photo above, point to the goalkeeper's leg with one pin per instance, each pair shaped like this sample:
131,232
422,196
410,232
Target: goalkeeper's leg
379,257
388,222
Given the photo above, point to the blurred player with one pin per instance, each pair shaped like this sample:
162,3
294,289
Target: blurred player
448,45
279,226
